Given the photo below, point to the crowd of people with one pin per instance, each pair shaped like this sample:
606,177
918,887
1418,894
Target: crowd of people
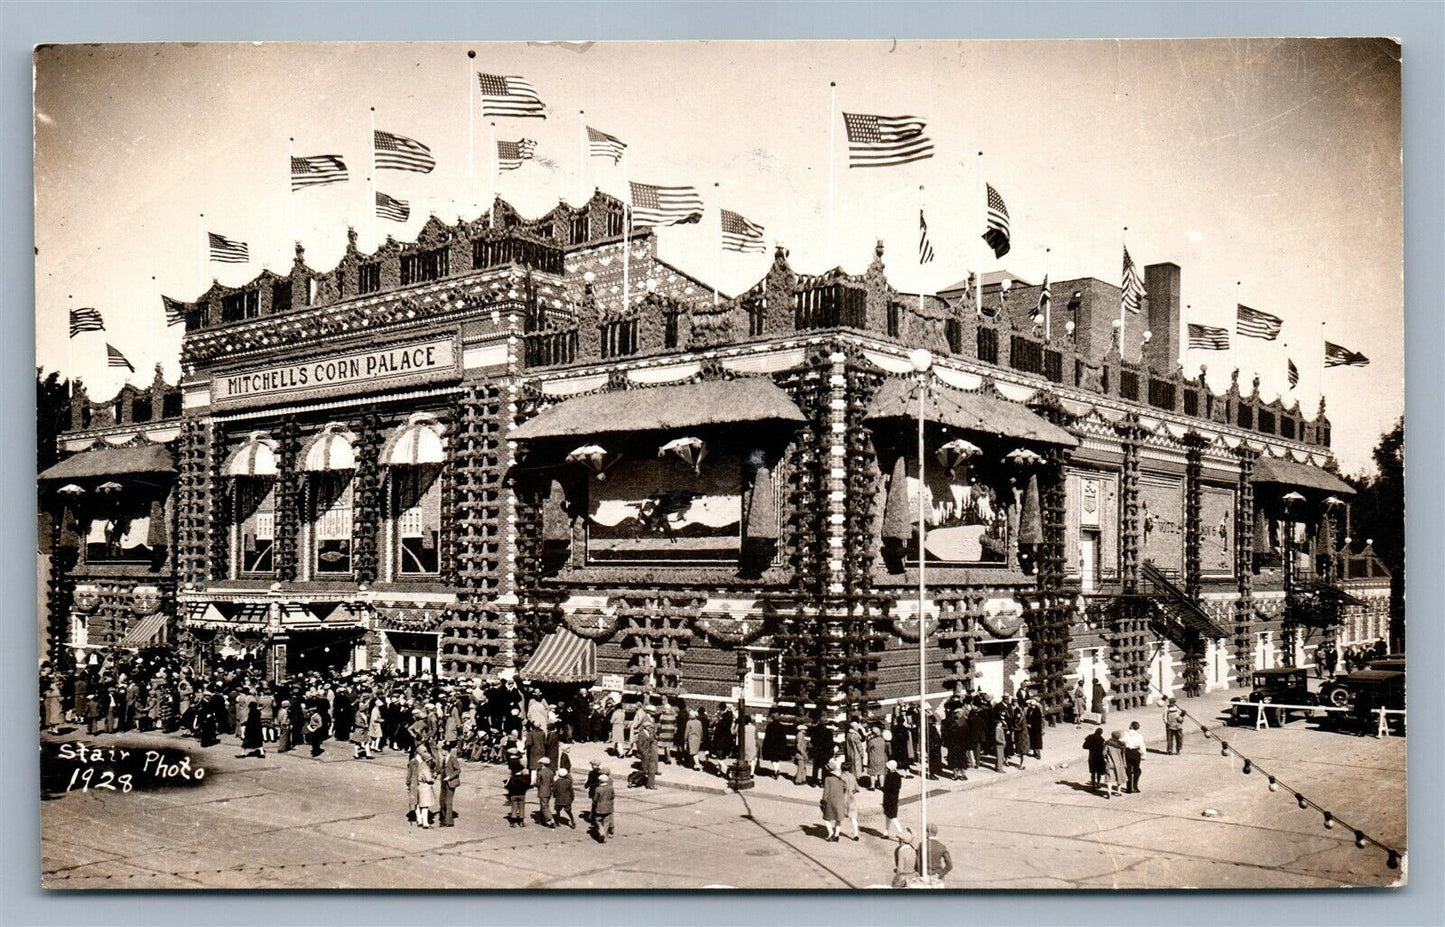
1330,660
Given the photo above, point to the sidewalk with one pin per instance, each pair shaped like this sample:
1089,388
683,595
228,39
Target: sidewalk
1063,746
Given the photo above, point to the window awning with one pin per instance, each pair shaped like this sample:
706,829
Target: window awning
147,632
897,398
256,457
331,449
1290,473
417,442
112,461
664,408
563,657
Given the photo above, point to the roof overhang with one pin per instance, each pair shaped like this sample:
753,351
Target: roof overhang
112,461
980,413
664,408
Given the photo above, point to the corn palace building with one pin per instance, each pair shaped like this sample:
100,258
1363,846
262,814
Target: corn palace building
470,454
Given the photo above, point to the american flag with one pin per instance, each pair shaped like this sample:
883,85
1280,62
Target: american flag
510,155
664,205
883,141
114,358
1134,291
602,145
739,234
1292,372
1208,338
315,170
1045,299
85,320
226,251
996,232
402,154
389,207
1336,356
1251,323
175,310
925,247
510,96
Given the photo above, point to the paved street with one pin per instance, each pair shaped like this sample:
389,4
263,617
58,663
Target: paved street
289,821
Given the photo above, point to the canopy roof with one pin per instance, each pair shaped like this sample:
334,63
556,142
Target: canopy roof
976,412
331,449
1289,473
256,457
148,631
112,461
664,408
417,442
562,657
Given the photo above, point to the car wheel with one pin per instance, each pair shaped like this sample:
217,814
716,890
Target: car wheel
1339,697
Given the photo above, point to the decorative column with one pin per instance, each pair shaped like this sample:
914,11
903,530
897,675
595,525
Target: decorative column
1194,444
1048,626
367,513
288,500
220,511
1128,641
1244,566
193,502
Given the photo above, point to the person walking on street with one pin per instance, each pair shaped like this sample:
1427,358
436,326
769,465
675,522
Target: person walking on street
1174,729
802,757
1115,764
1098,766
604,801
645,743
519,779
850,791
562,798
449,777
316,729
835,799
892,788
1133,757
1100,701
546,776
252,739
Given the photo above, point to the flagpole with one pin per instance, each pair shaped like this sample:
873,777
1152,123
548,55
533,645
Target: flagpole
920,253
371,207
471,140
626,231
832,156
1048,301
922,633
717,252
978,244
496,180
582,156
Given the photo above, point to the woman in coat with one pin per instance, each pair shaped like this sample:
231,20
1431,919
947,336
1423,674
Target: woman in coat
1098,768
892,788
775,747
373,728
835,799
1023,746
692,740
850,792
618,721
54,712
1034,716
252,738
855,750
749,746
412,785
1116,764
724,734
426,787
877,757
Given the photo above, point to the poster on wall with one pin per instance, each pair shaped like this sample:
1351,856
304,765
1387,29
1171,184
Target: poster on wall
651,510
967,521
1161,513
1216,531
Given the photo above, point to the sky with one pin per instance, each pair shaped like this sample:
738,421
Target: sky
1268,169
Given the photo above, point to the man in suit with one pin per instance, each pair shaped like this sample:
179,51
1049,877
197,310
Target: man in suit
449,777
562,797
546,777
603,801
647,751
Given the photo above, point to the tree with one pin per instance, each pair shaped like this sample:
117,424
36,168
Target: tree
1378,515
52,413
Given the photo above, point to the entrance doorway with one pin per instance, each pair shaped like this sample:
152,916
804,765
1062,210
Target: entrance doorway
1089,560
414,653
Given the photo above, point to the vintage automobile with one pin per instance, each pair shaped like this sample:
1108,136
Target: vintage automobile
1285,685
1362,692
1337,692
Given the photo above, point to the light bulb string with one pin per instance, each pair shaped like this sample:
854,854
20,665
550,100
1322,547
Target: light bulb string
1299,796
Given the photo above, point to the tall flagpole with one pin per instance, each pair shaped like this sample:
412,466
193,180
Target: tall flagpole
582,156
371,206
717,251
495,181
832,155
1048,303
978,242
471,140
626,232
922,635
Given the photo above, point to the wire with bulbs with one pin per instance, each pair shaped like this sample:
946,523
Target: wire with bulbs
1393,857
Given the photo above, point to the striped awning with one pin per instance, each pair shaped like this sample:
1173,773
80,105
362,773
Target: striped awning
147,632
417,442
331,449
256,457
562,657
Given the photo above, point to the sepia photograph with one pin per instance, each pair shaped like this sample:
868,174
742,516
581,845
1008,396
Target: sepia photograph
807,465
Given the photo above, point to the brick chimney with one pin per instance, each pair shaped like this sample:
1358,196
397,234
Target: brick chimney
1162,282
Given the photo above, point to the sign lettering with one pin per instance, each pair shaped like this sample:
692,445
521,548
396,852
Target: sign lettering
424,360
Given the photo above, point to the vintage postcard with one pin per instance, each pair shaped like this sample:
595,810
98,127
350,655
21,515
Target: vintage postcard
680,465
